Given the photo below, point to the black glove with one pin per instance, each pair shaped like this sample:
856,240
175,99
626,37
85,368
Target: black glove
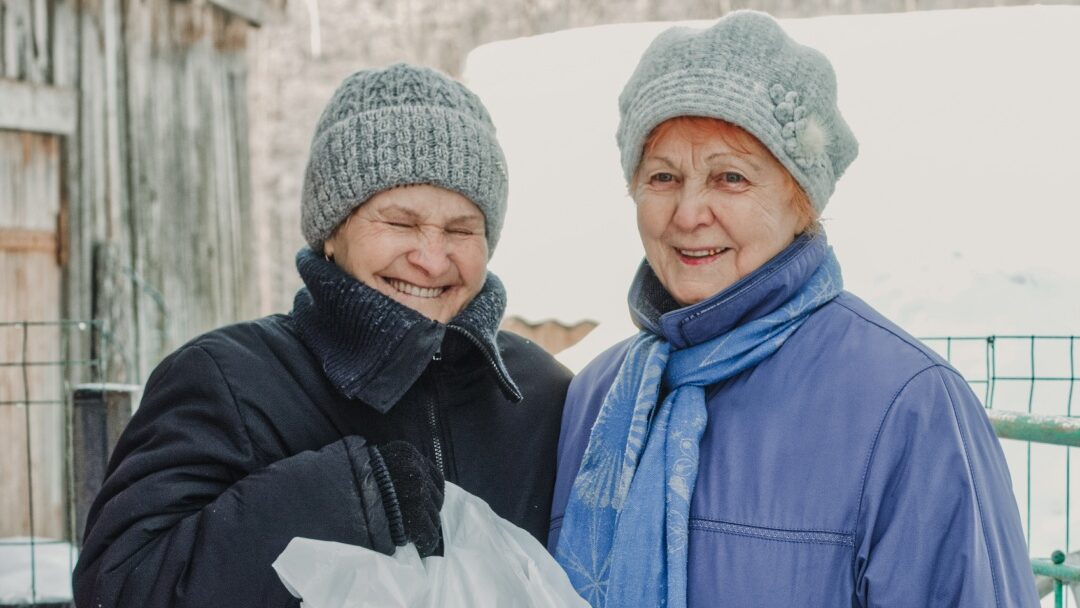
413,497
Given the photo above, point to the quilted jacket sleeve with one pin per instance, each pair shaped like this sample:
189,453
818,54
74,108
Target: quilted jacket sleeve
192,514
938,522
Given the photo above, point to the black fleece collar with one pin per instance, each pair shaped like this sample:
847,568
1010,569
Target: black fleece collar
373,348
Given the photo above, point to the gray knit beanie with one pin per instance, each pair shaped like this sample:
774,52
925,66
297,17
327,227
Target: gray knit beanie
399,126
746,71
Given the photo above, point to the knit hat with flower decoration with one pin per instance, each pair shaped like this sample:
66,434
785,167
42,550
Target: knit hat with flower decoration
399,126
747,71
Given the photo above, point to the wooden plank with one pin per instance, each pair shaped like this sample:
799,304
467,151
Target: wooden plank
254,12
26,240
37,108
31,402
38,48
13,33
24,34
32,415
29,180
113,300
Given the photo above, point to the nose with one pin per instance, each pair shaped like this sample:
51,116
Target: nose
692,211
431,253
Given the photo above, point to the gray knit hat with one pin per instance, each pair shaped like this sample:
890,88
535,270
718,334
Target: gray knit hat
399,126
744,70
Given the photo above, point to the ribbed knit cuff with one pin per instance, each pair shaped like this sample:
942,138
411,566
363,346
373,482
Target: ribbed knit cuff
389,497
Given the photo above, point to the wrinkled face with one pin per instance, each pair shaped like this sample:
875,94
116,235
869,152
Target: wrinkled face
710,212
423,246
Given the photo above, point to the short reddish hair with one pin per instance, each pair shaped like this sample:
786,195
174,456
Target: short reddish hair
699,128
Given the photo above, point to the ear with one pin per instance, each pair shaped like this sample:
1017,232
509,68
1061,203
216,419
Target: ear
328,247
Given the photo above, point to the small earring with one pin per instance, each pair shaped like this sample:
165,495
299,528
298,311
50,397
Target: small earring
329,258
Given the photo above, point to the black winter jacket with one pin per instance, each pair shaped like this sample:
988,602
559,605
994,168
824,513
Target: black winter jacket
256,433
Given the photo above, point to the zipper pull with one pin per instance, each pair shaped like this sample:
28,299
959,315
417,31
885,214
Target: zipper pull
437,356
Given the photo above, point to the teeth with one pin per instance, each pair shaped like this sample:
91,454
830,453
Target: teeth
415,290
700,253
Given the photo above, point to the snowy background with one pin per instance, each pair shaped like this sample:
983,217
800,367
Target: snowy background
958,218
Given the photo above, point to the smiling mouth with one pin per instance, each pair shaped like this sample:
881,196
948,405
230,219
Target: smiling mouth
700,256
415,290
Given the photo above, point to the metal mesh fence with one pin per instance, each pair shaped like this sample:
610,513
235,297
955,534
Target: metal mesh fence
41,363
1034,376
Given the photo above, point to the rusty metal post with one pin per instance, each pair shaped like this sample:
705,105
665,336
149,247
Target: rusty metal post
101,411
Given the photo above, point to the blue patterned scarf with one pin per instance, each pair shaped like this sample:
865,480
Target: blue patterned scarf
624,535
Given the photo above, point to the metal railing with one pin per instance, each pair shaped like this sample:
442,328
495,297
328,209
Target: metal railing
1028,385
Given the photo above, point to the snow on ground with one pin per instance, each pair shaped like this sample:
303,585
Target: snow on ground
958,218
50,561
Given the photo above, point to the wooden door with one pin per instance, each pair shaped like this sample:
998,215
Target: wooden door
32,412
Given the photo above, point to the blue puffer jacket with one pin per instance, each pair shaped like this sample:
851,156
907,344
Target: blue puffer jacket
854,467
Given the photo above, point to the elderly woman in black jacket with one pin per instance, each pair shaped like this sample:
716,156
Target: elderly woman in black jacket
340,420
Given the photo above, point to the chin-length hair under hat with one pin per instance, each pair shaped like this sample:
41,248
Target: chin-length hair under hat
744,70
398,126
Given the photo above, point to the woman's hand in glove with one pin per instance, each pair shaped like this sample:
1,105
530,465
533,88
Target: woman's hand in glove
412,493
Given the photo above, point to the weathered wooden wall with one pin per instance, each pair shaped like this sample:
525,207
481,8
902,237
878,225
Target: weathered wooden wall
36,113
31,400
187,183
164,186
125,196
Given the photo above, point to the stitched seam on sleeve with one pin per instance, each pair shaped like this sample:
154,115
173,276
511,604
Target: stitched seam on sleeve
917,346
978,501
873,452
252,448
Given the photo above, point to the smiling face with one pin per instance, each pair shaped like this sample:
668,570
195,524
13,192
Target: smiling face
423,246
713,205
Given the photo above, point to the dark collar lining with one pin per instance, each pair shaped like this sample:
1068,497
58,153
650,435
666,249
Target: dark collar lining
373,348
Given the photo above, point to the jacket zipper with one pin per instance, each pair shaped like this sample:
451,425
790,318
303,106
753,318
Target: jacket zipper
510,389
433,420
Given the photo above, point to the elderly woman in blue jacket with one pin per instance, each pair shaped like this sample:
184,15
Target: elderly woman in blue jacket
767,439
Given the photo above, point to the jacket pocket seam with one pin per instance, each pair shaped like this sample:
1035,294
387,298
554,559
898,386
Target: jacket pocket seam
792,536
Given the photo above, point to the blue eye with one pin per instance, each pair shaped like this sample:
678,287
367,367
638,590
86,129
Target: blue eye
730,177
663,178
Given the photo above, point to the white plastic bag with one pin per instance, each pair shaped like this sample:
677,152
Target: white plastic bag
487,562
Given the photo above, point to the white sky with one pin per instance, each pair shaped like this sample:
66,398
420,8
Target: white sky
959,216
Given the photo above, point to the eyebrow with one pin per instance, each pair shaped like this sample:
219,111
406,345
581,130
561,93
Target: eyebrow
398,209
465,219
415,217
667,161
746,158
